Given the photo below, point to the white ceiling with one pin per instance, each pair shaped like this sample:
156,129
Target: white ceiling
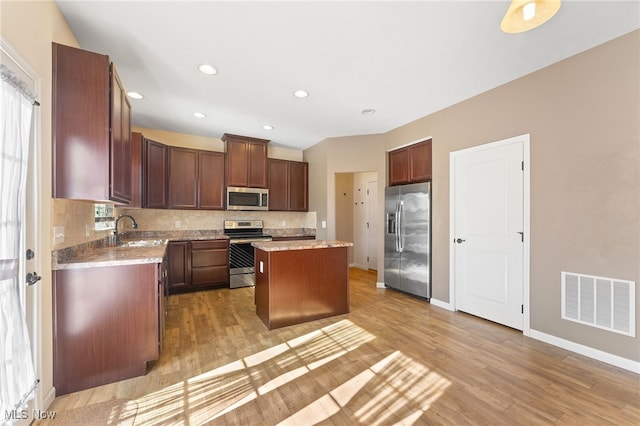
403,59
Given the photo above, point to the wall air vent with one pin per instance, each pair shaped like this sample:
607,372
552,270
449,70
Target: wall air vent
605,303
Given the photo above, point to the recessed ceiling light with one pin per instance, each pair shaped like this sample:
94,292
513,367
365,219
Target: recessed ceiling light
267,127
368,111
207,69
134,95
199,115
300,94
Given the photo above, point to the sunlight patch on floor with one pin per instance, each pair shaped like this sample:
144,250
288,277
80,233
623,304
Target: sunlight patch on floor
396,389
217,392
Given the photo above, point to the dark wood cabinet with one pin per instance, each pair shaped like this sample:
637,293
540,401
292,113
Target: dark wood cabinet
198,265
136,170
120,174
211,192
154,174
183,178
196,179
91,128
411,164
288,185
209,263
246,161
106,324
178,265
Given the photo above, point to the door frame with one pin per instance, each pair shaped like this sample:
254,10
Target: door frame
524,140
33,232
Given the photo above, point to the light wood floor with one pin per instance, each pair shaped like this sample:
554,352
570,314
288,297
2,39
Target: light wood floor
394,359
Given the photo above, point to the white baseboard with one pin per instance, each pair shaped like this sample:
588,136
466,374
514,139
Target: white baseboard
380,285
47,399
588,351
444,305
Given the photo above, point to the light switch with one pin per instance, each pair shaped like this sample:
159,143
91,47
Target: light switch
261,267
324,224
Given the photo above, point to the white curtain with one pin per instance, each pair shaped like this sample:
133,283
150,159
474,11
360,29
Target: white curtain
16,365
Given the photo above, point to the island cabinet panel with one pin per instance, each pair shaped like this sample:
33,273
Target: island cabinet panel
155,163
246,161
183,178
295,286
411,164
106,324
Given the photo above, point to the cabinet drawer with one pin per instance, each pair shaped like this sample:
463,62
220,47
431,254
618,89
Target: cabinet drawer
209,244
209,275
202,258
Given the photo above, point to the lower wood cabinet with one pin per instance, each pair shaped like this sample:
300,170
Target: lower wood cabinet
198,265
108,323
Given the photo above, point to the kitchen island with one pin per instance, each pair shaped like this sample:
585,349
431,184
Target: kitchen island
300,281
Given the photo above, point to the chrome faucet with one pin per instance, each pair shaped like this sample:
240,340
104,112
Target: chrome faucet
134,225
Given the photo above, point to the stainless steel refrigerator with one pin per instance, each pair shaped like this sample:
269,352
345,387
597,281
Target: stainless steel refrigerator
407,238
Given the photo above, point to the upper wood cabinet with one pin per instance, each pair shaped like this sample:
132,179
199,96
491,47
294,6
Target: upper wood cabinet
91,128
196,179
411,164
183,178
155,161
211,194
288,185
136,169
246,161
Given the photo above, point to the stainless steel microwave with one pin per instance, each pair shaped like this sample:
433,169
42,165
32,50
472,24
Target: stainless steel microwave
247,198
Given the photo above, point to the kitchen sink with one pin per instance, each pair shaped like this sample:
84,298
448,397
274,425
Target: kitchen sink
142,243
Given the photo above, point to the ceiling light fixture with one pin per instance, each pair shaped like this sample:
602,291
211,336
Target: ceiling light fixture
525,15
368,111
134,95
300,94
199,115
207,69
267,127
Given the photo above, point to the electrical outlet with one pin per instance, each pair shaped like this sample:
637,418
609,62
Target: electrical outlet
324,224
87,230
58,234
178,224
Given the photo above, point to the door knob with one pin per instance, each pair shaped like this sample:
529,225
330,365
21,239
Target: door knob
460,240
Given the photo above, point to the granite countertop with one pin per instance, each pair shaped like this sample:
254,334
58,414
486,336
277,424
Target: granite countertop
299,245
107,255
138,247
135,248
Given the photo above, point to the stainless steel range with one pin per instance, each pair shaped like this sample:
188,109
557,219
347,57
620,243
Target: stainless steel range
241,234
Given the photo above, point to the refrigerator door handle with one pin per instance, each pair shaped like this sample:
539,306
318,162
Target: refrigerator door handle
395,228
400,226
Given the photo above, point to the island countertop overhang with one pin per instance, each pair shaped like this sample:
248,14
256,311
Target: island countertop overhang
299,245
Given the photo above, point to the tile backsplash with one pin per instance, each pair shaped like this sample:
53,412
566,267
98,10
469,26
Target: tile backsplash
73,223
75,219
193,220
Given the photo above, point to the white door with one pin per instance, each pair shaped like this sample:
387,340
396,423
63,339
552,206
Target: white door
372,224
488,230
